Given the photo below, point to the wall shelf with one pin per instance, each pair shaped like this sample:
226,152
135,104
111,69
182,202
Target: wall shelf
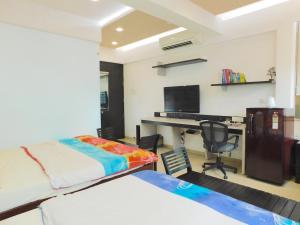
180,63
246,83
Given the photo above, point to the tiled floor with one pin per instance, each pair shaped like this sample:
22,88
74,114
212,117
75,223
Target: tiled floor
289,190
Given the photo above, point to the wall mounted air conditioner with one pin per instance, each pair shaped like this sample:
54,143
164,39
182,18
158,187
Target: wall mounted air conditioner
182,39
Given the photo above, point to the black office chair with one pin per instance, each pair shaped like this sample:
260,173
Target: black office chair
106,133
215,140
150,143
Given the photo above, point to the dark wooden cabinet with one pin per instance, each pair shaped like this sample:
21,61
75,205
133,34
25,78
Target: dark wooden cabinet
268,148
297,162
112,116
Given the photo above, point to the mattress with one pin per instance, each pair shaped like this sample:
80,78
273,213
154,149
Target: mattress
22,180
32,217
147,198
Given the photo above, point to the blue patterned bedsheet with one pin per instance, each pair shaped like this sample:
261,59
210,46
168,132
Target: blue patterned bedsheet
226,205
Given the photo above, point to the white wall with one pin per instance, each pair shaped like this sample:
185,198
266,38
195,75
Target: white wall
110,55
286,49
49,86
253,55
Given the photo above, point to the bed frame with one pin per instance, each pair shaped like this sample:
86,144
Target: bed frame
32,205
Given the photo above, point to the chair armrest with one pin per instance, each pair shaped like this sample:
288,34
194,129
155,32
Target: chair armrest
236,141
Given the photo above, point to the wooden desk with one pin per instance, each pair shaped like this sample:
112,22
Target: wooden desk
149,127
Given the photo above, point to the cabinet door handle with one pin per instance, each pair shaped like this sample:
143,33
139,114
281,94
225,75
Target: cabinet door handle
251,123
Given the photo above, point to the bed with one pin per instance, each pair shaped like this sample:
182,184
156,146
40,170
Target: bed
147,198
26,179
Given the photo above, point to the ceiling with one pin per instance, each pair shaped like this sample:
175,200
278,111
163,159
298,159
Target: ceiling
80,18
137,26
84,8
74,18
217,6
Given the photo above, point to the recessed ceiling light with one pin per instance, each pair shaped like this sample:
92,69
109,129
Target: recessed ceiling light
125,10
94,0
250,8
150,40
119,29
114,43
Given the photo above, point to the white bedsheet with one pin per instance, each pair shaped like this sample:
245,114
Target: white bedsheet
125,201
33,217
65,167
22,180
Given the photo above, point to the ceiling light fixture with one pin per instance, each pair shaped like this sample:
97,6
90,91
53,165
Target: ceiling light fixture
250,9
119,29
114,43
150,40
125,10
94,0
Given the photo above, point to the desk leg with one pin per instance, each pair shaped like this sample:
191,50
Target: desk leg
208,155
148,129
176,136
243,150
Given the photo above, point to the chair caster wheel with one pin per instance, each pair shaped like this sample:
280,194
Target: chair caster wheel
225,177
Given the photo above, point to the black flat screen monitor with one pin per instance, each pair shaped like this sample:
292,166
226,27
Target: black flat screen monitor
182,99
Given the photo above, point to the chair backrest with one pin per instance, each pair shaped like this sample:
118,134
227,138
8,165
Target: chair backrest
106,133
176,160
149,142
215,134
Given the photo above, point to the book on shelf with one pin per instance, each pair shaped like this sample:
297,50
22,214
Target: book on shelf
229,77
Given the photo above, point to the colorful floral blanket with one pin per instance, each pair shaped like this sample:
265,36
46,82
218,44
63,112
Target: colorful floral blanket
135,156
73,161
228,206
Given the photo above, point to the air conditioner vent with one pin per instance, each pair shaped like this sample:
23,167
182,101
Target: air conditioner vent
182,39
177,45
